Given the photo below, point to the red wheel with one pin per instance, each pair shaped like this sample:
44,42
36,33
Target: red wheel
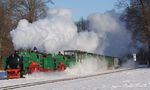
62,66
34,67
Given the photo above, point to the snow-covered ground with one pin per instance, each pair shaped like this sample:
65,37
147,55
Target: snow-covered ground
127,80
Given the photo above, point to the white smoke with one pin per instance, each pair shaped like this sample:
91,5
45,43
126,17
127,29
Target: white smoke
54,33
114,39
86,41
130,63
58,32
88,66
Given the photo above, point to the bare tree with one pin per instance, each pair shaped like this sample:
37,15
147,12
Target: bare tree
32,9
11,11
137,17
82,25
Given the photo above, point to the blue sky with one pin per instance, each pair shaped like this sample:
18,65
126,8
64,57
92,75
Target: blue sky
84,7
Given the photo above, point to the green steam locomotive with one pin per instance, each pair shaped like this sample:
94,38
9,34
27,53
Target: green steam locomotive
30,61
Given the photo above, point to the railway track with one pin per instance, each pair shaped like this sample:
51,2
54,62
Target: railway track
58,80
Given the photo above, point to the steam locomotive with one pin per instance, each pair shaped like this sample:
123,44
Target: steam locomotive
26,62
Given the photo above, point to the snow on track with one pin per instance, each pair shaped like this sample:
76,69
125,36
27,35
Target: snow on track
58,80
128,80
